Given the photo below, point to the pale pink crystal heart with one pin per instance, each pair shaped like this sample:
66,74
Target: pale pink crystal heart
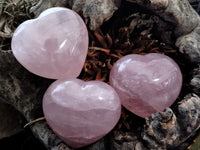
146,84
81,112
54,45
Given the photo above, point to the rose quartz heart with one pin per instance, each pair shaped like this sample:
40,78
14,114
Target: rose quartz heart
81,112
146,84
54,45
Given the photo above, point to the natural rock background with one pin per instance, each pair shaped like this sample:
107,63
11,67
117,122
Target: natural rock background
116,28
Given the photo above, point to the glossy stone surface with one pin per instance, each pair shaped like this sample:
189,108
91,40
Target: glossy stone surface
54,45
81,112
146,84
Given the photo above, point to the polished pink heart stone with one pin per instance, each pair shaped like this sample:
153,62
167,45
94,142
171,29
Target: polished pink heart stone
81,112
54,45
146,84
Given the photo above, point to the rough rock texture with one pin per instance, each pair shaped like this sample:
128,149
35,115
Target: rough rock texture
126,140
24,91
195,81
186,22
94,12
161,130
178,12
190,45
196,5
11,120
19,87
189,108
166,130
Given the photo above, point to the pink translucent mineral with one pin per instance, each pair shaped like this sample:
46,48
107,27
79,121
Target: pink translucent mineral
146,84
79,112
54,45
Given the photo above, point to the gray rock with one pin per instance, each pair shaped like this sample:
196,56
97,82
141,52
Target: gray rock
95,13
185,20
11,120
167,129
190,45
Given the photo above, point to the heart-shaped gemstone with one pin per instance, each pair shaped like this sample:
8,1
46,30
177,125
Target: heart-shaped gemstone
146,84
54,45
81,112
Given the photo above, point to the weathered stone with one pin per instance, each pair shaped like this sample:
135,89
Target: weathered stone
11,120
167,130
162,130
95,13
185,20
